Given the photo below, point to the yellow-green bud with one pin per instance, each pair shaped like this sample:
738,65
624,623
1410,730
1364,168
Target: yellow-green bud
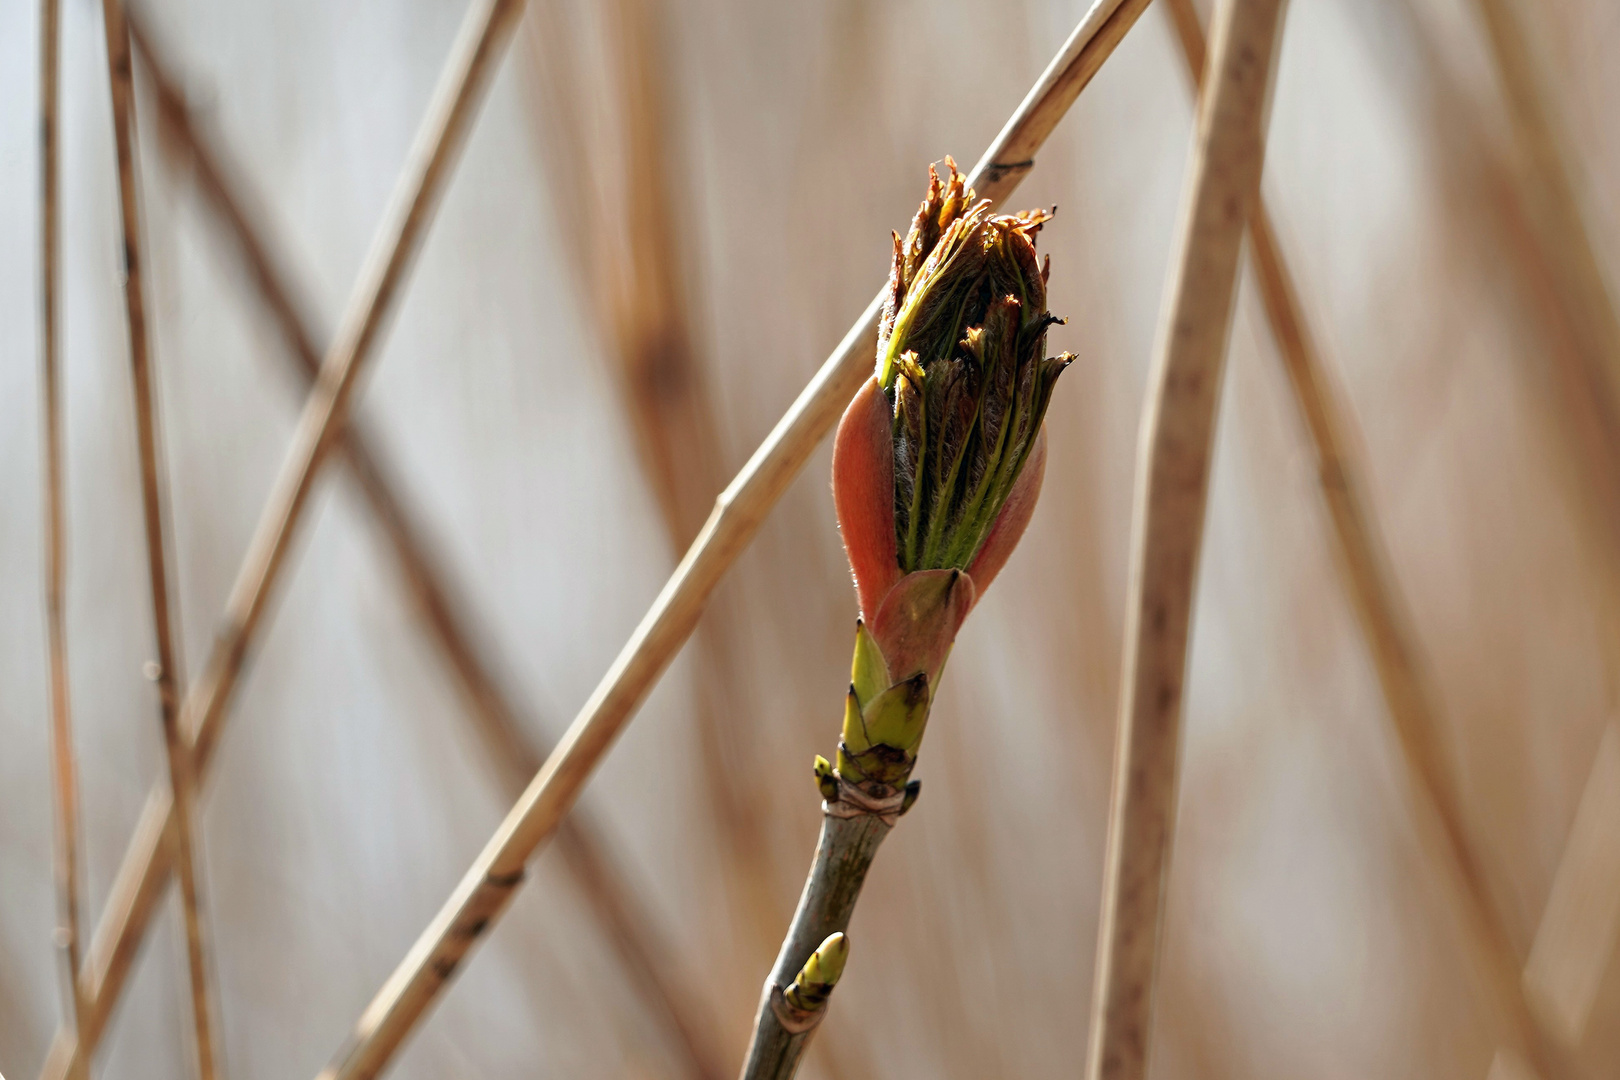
825,781
814,983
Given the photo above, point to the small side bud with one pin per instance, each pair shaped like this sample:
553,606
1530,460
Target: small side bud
913,789
825,781
814,983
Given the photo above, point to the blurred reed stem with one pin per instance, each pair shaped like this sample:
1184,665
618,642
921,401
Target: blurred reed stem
1538,207
1552,202
428,167
1499,186
64,765
494,877
615,201
628,929
1167,531
159,537
1364,565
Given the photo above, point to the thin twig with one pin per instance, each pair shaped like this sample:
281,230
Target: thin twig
64,768
489,885
1364,564
484,32
1167,530
503,735
158,531
844,853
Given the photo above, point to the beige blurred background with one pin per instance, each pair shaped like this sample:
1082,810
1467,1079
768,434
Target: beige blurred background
665,217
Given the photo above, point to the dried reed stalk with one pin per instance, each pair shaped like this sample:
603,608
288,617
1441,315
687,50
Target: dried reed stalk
1178,429
455,102
1540,213
182,779
1364,564
1499,191
1580,925
139,883
1554,208
64,766
609,899
489,885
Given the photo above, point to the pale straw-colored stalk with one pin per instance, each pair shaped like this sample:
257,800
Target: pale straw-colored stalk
159,534
64,764
484,32
1174,453
1549,191
1501,198
487,888
439,607
1375,599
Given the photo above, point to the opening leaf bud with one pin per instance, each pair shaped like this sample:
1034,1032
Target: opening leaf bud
937,463
961,363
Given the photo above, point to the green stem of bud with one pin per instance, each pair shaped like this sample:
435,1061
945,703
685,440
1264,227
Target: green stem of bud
962,372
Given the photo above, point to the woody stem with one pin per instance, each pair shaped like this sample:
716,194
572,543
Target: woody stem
843,855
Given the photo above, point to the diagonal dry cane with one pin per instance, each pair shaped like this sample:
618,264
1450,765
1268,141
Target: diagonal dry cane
1375,599
1512,197
1506,191
159,531
64,767
1553,205
609,898
1539,207
494,877
1177,439
138,886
